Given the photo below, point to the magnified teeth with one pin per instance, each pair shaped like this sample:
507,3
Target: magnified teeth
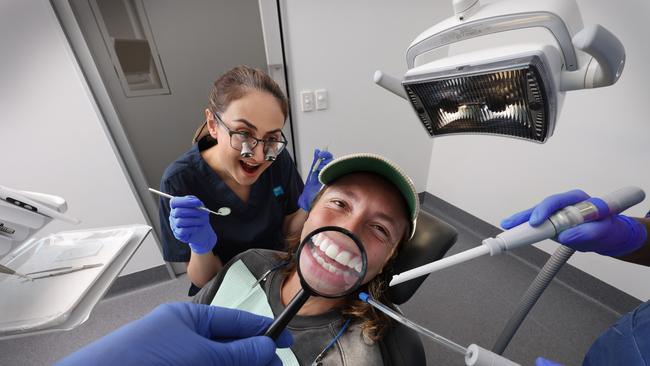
332,249
317,239
329,267
358,267
343,257
354,263
319,259
331,257
324,243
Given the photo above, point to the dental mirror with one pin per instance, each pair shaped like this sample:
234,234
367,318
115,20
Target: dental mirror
223,211
331,263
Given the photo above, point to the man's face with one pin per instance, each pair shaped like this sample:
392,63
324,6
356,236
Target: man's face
369,207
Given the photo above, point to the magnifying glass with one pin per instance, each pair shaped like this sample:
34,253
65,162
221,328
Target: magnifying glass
331,263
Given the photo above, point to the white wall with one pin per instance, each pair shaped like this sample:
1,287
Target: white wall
338,45
600,144
52,140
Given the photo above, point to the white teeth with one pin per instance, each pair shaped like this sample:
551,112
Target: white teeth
324,243
358,267
324,264
317,239
354,263
320,260
332,251
343,257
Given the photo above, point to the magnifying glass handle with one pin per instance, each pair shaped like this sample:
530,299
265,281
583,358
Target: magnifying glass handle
289,312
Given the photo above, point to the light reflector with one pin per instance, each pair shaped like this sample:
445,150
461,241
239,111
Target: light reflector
511,98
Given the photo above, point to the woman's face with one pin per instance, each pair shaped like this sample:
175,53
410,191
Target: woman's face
256,113
368,206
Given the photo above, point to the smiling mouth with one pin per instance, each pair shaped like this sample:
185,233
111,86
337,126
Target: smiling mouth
333,257
248,167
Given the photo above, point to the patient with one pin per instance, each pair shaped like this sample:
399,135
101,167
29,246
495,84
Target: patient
375,200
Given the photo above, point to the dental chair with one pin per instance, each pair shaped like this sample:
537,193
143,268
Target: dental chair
432,239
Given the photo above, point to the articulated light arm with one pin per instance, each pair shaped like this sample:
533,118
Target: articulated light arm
598,62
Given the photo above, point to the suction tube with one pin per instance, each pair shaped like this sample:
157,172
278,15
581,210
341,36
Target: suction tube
475,355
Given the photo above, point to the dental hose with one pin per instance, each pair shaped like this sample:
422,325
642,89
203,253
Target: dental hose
530,297
474,354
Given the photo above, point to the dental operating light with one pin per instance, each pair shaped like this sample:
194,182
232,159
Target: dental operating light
514,90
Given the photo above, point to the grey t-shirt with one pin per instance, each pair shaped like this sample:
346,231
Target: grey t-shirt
311,334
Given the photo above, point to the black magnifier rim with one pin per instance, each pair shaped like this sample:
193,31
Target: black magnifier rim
364,261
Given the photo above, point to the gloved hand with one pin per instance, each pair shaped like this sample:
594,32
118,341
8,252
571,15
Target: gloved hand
616,235
312,185
540,361
191,225
186,334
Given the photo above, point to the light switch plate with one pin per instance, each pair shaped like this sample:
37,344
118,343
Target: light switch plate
307,100
322,99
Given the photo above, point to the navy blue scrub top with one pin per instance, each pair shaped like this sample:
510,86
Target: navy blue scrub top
254,224
625,343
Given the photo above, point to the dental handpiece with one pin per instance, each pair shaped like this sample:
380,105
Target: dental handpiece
592,209
474,355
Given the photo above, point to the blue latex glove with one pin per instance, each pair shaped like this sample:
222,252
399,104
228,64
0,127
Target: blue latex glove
312,185
186,334
191,225
613,236
544,362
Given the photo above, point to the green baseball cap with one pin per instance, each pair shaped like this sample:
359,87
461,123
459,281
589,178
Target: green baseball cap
373,163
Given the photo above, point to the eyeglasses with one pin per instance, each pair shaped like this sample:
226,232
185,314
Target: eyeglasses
246,143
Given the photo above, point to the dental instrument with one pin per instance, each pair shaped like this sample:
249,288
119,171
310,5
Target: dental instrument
223,211
22,199
475,355
516,90
317,163
53,272
9,271
591,209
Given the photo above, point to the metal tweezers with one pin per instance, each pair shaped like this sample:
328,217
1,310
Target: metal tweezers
52,272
